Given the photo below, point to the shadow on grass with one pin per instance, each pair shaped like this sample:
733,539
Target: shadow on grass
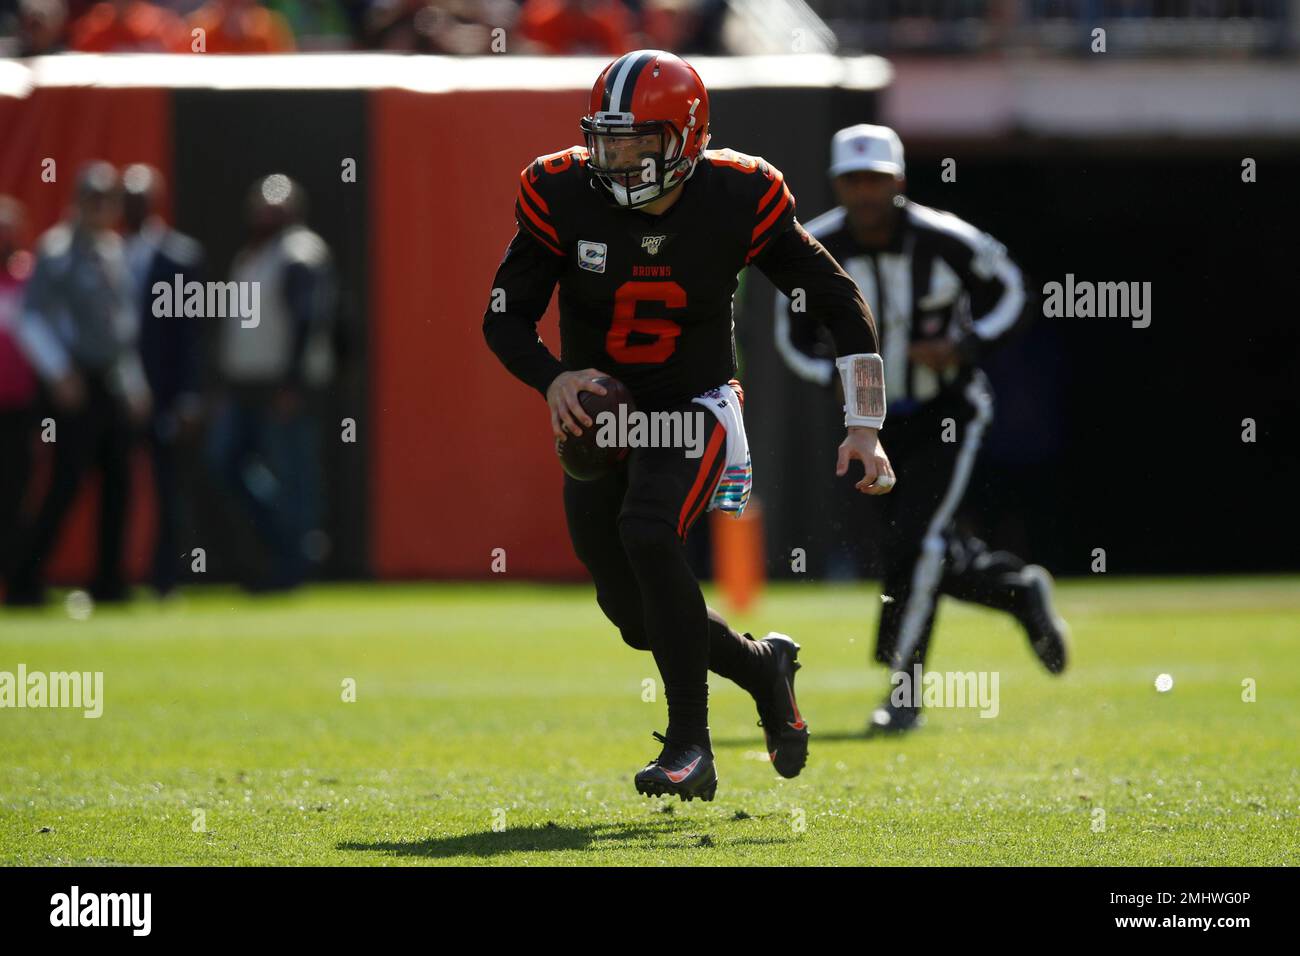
818,737
551,837
545,838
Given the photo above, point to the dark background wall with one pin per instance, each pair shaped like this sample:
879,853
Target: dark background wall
224,141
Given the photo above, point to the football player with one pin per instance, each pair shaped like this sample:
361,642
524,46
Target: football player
645,231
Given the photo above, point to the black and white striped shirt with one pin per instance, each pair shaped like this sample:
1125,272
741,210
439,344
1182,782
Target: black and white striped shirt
938,276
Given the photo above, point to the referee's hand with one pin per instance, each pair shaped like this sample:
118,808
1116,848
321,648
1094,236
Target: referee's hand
864,445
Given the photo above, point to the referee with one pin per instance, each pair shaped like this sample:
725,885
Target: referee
943,293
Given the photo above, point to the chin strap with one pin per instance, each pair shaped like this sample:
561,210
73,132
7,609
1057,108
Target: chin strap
863,377
621,194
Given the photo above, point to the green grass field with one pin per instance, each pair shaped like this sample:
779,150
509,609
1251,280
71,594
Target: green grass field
501,724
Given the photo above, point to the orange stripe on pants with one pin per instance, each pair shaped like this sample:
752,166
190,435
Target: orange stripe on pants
691,506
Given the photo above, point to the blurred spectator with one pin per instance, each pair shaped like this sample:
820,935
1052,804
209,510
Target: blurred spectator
684,26
317,24
79,331
436,26
128,26
17,380
169,351
578,26
241,26
40,27
264,442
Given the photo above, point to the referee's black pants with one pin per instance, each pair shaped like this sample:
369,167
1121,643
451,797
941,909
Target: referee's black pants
923,554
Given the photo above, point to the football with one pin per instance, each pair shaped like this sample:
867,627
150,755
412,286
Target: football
582,456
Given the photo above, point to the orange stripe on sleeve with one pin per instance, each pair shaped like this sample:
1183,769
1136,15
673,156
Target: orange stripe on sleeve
527,189
786,199
526,226
777,183
753,253
542,225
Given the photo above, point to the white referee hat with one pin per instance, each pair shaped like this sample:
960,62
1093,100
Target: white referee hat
875,148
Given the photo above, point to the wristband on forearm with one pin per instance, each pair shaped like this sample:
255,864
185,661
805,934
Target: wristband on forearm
863,378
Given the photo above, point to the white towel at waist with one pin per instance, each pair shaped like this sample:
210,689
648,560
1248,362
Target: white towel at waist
732,492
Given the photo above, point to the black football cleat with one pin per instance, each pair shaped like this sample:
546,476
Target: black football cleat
685,771
1049,635
783,726
890,718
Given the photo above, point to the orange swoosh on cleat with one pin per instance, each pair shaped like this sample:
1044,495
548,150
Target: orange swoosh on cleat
798,723
677,776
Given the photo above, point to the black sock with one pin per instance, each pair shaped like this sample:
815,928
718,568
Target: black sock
735,656
676,624
688,714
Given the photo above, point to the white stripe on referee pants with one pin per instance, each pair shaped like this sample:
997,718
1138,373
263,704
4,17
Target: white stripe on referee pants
929,566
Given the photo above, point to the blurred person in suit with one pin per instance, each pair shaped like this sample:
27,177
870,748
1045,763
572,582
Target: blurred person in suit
264,442
159,257
79,331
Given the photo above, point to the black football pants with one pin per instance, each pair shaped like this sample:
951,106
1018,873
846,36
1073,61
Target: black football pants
629,529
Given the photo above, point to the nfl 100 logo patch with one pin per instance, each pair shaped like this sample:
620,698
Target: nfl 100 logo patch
652,244
591,255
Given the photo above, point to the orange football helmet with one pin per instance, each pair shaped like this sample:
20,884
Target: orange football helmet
646,126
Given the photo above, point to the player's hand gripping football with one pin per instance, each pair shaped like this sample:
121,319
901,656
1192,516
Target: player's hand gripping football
562,397
864,445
